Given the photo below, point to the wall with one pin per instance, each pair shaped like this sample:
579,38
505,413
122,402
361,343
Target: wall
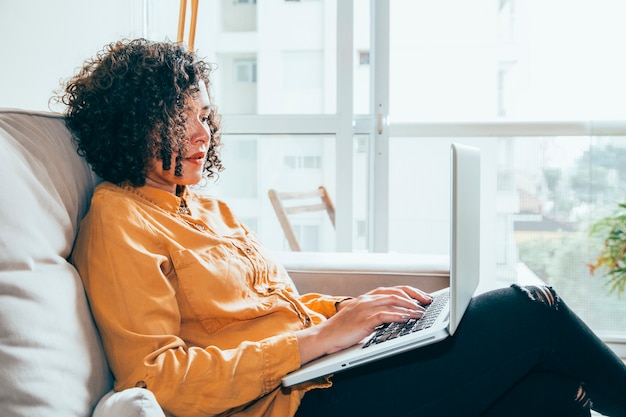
44,42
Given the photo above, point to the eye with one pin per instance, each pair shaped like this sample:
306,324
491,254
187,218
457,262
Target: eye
205,119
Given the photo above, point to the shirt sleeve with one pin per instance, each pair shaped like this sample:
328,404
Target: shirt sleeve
134,303
323,304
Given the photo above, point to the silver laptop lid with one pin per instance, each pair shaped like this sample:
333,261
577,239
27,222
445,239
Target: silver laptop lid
464,228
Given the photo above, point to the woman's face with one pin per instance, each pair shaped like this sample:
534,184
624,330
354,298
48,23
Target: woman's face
198,142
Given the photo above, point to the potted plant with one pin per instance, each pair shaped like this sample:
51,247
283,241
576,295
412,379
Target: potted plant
611,260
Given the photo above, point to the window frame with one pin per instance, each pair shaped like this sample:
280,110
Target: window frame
344,125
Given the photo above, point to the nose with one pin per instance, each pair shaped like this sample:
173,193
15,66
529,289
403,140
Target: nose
201,133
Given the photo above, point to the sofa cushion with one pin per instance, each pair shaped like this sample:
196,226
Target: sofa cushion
132,402
52,361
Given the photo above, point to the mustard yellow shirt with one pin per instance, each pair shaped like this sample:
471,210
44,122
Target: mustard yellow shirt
192,306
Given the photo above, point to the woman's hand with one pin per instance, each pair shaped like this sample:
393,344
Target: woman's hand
357,317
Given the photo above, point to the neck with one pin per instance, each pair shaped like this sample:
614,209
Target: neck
170,188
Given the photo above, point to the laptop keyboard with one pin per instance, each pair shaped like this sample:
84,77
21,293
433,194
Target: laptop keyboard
389,331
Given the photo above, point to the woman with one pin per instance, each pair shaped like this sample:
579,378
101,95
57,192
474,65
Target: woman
191,306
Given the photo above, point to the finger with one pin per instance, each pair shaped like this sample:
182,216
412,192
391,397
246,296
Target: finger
400,290
417,294
406,291
412,294
394,316
394,298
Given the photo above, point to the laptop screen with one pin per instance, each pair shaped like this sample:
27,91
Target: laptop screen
464,228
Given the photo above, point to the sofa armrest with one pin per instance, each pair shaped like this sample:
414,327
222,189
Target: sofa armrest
352,274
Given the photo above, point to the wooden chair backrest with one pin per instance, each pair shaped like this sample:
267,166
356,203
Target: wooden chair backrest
283,211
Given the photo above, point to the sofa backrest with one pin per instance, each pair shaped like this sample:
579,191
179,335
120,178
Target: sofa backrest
51,360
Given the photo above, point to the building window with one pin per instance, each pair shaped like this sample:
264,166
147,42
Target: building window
362,144
361,228
245,71
302,162
364,57
506,89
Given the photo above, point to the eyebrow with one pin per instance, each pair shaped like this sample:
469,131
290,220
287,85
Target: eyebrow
203,108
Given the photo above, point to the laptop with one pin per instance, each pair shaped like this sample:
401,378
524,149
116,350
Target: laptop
450,302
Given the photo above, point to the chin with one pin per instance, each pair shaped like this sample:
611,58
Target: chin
192,181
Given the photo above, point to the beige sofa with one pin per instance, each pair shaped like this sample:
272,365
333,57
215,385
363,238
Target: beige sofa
51,360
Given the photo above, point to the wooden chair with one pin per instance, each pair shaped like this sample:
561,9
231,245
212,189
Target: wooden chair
192,23
283,211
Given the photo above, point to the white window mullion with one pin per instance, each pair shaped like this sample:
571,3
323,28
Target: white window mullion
344,149
237,124
518,128
379,154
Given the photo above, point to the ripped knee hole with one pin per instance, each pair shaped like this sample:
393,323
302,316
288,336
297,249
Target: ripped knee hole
583,399
541,293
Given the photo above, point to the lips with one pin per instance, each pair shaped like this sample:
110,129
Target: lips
196,158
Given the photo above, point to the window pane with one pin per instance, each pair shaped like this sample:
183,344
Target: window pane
531,59
256,163
564,185
539,197
238,16
272,57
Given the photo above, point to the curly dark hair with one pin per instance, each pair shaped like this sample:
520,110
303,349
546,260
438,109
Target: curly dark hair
127,106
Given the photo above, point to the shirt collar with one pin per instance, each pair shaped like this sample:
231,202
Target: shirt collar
164,199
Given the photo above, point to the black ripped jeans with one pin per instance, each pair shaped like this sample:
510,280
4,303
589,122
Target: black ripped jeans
519,351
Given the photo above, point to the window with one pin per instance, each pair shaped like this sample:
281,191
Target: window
245,71
237,16
362,144
364,57
303,162
544,181
457,71
505,92
361,228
